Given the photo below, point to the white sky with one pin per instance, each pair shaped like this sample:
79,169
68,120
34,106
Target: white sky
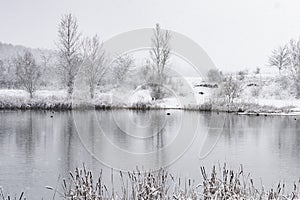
236,34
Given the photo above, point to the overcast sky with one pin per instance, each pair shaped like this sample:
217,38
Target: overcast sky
235,33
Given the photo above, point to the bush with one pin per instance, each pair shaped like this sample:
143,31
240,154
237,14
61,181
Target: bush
230,89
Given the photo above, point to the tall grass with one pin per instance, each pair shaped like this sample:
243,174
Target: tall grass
230,184
8,197
220,183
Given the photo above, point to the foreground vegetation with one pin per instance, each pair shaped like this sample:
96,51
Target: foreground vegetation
219,183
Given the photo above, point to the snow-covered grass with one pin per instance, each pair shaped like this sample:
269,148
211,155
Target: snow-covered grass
220,183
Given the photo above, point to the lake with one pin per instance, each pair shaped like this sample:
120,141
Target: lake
38,147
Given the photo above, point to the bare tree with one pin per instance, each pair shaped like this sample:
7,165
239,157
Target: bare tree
46,63
294,61
8,73
28,72
123,64
69,50
46,59
3,74
94,62
2,70
160,55
280,58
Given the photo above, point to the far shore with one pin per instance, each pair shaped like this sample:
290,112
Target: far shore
57,101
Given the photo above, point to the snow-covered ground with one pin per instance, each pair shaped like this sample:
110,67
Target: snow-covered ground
8,93
194,95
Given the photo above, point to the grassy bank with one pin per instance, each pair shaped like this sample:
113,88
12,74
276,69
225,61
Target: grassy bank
67,104
240,107
53,101
20,103
219,183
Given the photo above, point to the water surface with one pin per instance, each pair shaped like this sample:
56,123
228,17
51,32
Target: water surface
35,149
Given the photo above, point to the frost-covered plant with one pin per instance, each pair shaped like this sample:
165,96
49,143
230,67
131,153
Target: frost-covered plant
221,183
230,89
230,184
133,185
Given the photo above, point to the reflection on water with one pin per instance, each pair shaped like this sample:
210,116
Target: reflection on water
36,149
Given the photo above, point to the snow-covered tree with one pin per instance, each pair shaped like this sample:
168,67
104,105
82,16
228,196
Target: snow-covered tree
94,64
279,58
27,72
160,56
68,50
122,65
294,63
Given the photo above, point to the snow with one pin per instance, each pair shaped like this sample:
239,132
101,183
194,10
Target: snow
171,103
9,93
194,96
140,96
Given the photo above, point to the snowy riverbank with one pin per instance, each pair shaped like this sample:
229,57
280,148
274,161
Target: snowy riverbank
57,100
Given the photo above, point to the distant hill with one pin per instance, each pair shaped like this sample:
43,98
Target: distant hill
7,72
8,51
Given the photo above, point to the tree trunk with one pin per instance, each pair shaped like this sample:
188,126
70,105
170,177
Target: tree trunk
31,94
92,91
298,85
70,86
298,89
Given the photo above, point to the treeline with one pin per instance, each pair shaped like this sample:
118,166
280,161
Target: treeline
286,59
85,56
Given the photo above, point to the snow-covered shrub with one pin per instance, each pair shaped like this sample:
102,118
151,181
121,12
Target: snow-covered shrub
280,87
230,89
284,82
